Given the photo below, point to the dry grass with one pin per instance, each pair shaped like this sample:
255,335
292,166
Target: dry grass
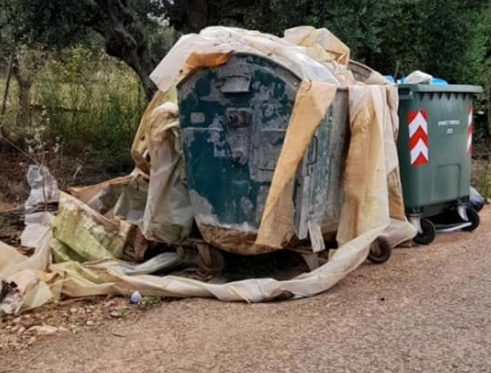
481,176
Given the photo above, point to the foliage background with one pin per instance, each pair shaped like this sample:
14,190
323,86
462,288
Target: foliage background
84,106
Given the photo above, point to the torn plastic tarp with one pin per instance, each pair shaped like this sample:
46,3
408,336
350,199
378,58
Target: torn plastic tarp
44,188
29,274
312,101
81,234
476,200
37,224
159,263
168,213
321,44
89,279
155,195
139,148
213,45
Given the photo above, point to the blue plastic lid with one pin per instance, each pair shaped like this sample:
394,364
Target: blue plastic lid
390,78
438,81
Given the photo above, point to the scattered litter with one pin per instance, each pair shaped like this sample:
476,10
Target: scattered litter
44,188
135,297
10,298
44,330
476,200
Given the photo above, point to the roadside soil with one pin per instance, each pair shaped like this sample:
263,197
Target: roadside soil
426,310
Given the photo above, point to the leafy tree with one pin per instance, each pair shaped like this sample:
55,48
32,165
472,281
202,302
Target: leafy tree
410,34
60,23
194,15
123,24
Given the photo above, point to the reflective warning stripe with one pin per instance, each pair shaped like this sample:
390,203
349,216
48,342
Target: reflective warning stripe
418,137
469,130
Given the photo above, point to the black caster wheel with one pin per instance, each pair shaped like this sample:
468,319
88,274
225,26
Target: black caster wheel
473,219
428,233
380,251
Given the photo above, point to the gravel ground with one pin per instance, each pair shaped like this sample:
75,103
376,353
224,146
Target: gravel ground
426,310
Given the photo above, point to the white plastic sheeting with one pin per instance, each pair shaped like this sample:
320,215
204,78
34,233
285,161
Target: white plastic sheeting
44,188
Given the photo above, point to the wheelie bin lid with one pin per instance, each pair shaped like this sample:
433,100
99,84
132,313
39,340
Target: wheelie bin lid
450,88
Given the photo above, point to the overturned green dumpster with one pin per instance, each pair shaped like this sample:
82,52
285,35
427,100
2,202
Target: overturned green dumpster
234,119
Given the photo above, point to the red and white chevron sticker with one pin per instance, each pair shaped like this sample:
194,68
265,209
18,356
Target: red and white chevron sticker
469,130
418,137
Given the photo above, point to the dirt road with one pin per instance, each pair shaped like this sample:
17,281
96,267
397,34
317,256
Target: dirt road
427,310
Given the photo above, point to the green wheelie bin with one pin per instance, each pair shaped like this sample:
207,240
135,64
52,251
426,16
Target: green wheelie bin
435,148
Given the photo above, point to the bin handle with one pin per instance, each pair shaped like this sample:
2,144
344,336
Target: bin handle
405,94
315,145
238,83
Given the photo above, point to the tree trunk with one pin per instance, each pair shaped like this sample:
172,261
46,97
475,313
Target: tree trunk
126,39
195,15
24,82
488,119
6,92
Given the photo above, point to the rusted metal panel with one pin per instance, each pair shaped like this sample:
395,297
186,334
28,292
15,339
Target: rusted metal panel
234,118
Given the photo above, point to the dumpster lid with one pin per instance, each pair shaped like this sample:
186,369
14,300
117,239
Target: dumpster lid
450,88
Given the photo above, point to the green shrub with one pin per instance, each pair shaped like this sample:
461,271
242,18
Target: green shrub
85,110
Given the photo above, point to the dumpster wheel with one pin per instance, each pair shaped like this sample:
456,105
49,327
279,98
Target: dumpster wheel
380,251
473,217
427,234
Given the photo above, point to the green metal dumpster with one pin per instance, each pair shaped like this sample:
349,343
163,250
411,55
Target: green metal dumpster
233,119
435,148
233,122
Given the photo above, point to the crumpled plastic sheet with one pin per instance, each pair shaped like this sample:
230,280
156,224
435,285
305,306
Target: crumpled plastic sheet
213,45
312,101
168,214
10,298
418,77
29,274
159,263
37,224
321,44
89,279
476,200
81,234
44,188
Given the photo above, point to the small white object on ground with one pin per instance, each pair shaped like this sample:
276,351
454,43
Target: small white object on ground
135,297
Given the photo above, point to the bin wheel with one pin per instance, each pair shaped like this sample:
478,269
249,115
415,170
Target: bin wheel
380,251
428,233
473,219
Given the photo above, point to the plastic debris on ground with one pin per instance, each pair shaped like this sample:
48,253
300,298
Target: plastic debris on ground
135,297
98,229
476,201
44,188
